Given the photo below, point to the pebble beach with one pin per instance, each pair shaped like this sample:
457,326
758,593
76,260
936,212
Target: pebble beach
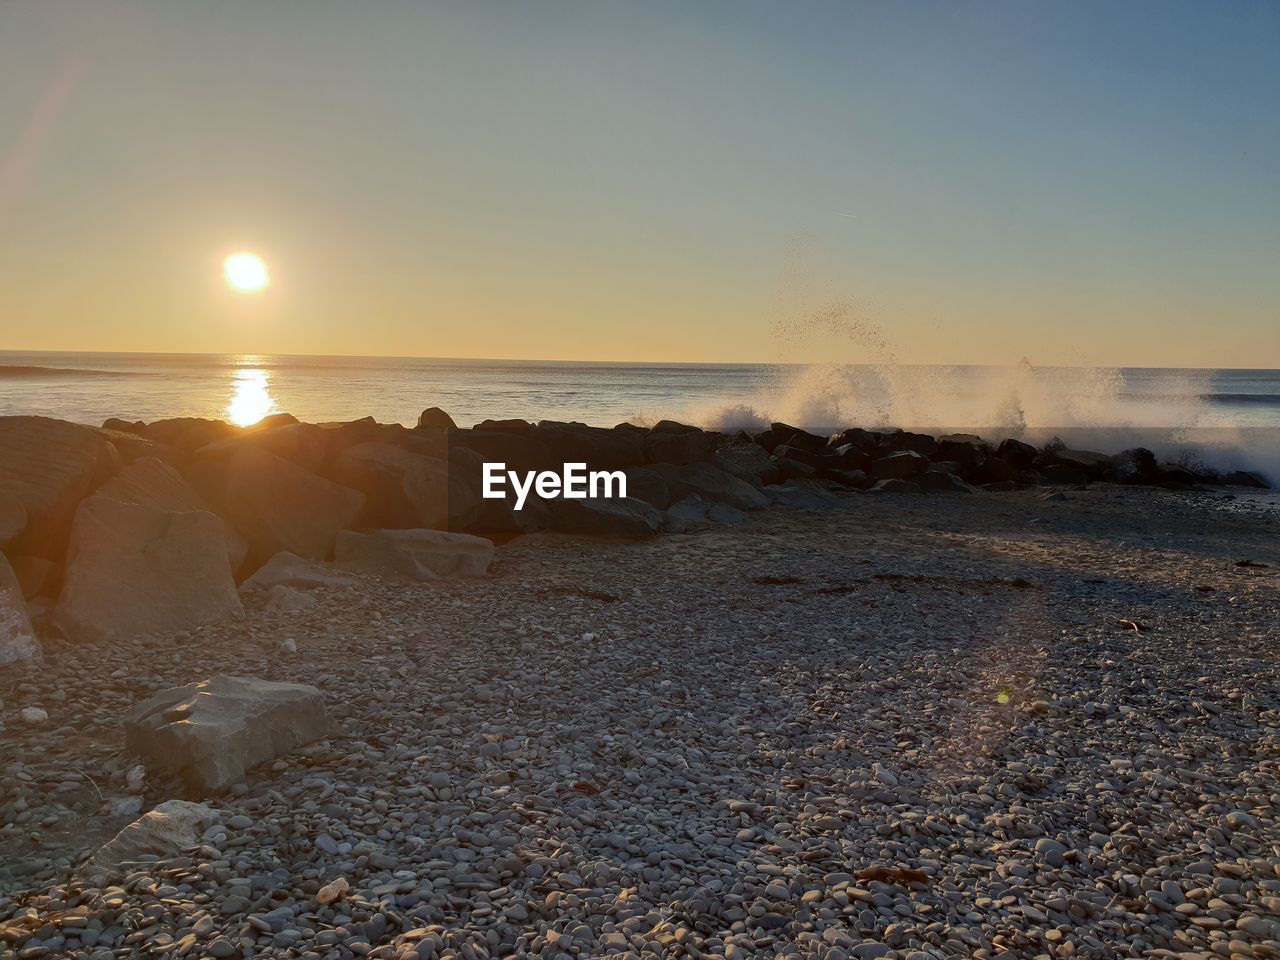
1027,725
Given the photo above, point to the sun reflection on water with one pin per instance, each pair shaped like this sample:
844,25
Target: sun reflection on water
250,398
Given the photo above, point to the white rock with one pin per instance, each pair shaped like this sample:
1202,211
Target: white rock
163,831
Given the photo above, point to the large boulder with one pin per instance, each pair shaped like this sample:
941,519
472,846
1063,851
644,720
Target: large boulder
898,440
416,554
305,444
189,433
900,465
648,484
211,732
600,517
139,570
519,451
46,468
277,505
162,832
406,489
747,458
152,483
711,483
1016,453
860,439
433,418
783,433
599,448
1094,466
672,442
18,643
964,448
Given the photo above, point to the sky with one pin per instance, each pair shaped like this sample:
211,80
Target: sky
1074,182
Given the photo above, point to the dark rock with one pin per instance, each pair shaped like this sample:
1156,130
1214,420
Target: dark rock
1016,453
747,457
1095,466
964,448
1064,473
404,489
649,485
789,469
670,426
710,483
941,481
626,517
505,426
989,470
597,447
124,426
899,465
860,439
783,433
850,456
519,451
1137,465
677,444
903,441
1174,475
433,418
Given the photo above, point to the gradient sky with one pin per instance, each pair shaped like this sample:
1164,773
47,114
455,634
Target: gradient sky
1077,182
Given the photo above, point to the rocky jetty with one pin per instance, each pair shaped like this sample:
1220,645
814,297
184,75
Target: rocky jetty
148,528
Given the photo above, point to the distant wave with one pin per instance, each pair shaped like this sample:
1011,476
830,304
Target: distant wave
1272,398
20,371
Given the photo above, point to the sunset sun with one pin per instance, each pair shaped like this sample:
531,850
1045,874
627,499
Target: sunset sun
245,272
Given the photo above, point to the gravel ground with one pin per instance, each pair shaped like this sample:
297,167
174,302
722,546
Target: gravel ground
971,726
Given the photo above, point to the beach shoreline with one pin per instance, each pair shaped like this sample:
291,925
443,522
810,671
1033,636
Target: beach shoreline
1061,711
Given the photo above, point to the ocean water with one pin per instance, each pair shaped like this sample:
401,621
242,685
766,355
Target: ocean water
1223,418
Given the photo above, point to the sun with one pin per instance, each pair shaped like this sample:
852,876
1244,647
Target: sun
245,272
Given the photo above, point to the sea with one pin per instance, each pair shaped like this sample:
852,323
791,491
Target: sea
1227,419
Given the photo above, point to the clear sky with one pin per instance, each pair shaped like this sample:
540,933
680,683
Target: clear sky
1077,182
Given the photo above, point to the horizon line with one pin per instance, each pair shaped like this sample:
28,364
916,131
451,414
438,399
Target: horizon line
673,363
